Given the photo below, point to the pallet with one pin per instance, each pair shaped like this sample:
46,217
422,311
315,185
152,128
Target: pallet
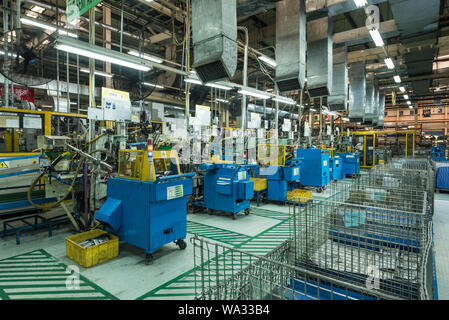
442,191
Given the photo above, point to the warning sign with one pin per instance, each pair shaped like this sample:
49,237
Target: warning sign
3,165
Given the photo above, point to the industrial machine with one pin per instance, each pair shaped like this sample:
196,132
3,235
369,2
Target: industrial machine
366,145
350,164
438,152
281,168
335,168
146,204
227,188
314,168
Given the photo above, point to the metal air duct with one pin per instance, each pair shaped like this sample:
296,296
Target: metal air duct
214,34
417,21
369,107
319,57
357,92
381,112
339,94
290,45
376,105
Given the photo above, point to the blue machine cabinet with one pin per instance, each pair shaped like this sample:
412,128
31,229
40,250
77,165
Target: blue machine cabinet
351,164
281,179
438,152
227,188
148,214
315,167
335,168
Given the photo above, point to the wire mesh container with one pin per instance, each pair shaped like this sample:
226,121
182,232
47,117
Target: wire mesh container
381,248
232,274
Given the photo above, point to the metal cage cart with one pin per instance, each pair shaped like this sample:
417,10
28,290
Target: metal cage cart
227,273
381,248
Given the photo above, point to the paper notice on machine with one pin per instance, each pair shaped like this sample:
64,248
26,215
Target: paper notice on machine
116,105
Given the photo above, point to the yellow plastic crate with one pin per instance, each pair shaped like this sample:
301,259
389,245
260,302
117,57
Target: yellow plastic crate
259,184
299,195
88,257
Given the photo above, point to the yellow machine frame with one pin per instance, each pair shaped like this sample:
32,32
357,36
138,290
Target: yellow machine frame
381,132
281,157
331,150
140,168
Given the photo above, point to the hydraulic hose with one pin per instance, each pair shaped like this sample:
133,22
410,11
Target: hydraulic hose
55,204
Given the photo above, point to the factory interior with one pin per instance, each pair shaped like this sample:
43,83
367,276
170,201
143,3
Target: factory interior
224,150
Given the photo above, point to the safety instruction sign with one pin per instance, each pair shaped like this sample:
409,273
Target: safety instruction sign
3,165
175,192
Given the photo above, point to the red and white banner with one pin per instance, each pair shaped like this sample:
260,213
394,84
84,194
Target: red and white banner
22,93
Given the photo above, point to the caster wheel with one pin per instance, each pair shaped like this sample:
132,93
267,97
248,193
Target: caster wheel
209,211
234,217
320,190
149,259
247,212
181,244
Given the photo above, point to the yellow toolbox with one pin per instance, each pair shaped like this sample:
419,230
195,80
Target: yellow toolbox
90,256
259,184
299,195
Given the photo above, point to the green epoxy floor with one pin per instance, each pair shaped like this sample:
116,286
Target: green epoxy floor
172,274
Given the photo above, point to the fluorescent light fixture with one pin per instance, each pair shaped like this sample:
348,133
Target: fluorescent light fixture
152,85
195,81
397,79
99,53
312,109
97,73
47,26
411,107
9,54
389,63
254,94
37,9
218,86
36,23
360,3
284,100
222,100
409,103
64,32
402,89
145,56
406,97
377,38
268,61
73,103
345,119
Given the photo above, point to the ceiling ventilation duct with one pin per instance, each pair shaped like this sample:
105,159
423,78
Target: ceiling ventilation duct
376,105
357,91
214,34
381,111
369,107
417,21
319,57
339,94
290,45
